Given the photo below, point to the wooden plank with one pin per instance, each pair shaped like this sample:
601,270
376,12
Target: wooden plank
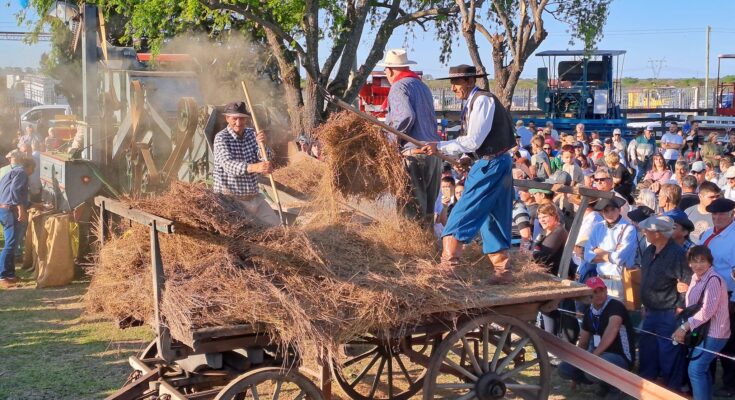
580,190
163,225
223,331
134,390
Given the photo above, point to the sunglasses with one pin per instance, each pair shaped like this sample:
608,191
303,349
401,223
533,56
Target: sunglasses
698,172
547,148
600,179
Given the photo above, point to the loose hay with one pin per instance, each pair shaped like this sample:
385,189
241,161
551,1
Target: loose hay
324,283
360,159
305,176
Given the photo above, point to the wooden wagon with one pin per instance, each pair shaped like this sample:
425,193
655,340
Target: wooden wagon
484,353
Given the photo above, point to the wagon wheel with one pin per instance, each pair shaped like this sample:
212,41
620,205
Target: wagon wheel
385,368
491,369
272,384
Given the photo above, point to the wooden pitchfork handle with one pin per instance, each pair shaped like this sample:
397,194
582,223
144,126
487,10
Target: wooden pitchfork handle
371,119
263,151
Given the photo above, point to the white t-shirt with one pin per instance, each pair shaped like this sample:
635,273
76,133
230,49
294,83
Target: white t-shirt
673,138
525,135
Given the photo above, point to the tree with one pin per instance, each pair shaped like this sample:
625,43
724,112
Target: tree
515,29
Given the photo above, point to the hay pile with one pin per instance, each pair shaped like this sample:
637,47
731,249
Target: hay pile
305,176
361,161
323,283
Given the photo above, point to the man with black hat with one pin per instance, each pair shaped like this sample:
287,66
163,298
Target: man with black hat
487,203
682,228
237,161
410,107
612,245
719,239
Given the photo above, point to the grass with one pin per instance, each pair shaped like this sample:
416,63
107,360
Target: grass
50,350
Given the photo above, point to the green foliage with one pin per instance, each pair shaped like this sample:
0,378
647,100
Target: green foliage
586,19
728,79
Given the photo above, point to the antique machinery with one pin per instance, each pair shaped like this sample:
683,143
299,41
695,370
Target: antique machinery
580,88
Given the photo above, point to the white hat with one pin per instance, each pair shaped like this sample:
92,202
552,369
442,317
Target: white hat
698,166
617,131
396,58
651,127
519,122
730,173
596,142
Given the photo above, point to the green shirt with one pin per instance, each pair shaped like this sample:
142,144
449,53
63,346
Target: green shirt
4,170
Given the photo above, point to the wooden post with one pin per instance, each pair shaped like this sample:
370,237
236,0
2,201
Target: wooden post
163,337
566,256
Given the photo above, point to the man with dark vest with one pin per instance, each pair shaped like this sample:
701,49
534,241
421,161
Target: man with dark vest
487,203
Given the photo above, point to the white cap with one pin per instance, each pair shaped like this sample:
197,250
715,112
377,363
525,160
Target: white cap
651,127
730,173
617,131
698,166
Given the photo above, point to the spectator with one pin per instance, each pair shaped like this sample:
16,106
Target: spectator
554,160
622,179
444,204
725,164
607,332
594,135
532,128
603,181
729,149
710,173
522,220
52,142
524,133
13,158
529,201
682,228
681,169
540,163
554,132
708,289
618,141
711,150
645,147
522,152
672,143
547,138
14,194
690,152
657,175
719,240
637,216
591,218
668,200
29,137
647,198
570,167
611,245
689,195
581,138
549,245
699,171
696,134
663,266
597,151
700,217
728,191
587,168
459,190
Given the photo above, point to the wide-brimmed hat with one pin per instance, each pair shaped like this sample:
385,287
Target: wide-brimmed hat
616,202
462,71
236,109
396,58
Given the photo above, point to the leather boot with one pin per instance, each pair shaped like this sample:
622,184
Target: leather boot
501,266
451,253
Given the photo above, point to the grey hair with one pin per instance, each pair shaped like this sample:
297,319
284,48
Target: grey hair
647,198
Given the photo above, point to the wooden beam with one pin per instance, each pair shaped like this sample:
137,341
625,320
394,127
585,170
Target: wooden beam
580,190
163,225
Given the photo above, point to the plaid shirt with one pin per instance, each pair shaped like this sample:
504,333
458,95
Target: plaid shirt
232,155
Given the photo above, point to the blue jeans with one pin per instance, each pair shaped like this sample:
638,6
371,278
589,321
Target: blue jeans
659,357
571,373
699,364
7,257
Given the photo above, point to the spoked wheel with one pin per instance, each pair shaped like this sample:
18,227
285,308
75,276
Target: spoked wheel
490,357
272,384
379,368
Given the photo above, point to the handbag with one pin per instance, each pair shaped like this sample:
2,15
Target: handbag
695,336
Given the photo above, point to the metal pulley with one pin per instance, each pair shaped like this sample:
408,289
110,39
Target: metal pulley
188,115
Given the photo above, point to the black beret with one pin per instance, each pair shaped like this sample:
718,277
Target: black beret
640,214
721,205
682,220
616,202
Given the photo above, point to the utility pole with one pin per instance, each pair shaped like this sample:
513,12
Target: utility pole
706,72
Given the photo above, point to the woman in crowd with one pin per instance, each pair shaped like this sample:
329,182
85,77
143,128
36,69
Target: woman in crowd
622,179
540,162
708,288
711,150
690,152
658,175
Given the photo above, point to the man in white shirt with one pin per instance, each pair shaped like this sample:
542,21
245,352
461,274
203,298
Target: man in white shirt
672,143
612,245
524,133
487,203
729,190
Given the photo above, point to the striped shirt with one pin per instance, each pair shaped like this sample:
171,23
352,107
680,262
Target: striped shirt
714,304
232,154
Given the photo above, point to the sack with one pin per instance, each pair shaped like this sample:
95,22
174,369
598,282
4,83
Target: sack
632,288
695,336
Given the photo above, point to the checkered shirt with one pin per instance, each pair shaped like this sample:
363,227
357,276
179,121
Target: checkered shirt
232,155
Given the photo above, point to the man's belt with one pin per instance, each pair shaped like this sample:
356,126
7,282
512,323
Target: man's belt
6,206
247,197
610,277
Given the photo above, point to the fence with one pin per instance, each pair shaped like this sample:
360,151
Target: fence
525,99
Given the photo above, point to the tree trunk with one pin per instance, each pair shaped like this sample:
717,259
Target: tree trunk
291,82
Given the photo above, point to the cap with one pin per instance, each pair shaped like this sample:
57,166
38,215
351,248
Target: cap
616,202
683,221
721,205
640,214
560,178
651,127
519,122
236,109
617,131
698,166
596,142
17,154
595,283
730,172
578,144
657,223
549,123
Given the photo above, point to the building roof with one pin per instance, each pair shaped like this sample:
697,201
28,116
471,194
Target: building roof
726,56
580,53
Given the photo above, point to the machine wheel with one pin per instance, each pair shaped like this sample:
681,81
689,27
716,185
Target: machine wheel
270,383
487,358
385,368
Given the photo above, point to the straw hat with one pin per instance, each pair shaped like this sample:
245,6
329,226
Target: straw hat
396,58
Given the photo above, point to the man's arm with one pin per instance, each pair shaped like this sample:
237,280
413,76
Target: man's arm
584,340
611,332
625,249
402,115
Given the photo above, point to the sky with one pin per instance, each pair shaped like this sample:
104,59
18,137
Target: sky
666,33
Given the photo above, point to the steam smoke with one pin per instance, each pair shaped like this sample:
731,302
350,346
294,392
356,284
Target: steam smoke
221,67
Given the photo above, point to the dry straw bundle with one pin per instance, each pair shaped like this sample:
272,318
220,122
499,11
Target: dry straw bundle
361,161
323,283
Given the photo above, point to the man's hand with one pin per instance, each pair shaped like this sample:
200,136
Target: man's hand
22,215
260,136
264,167
682,287
430,148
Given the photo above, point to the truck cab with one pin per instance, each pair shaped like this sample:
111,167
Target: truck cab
40,117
